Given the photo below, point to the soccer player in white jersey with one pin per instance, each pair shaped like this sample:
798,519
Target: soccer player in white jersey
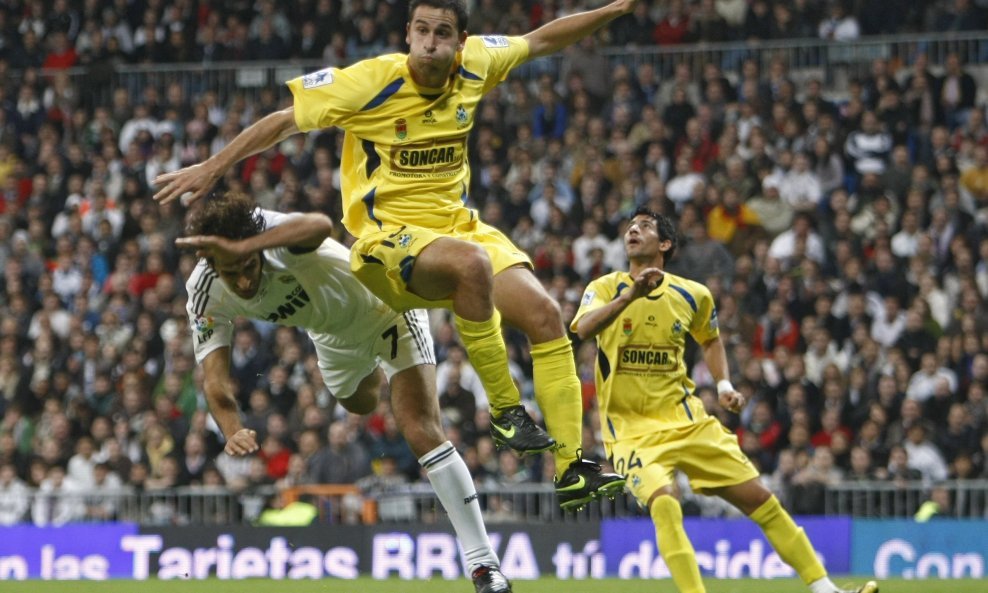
285,269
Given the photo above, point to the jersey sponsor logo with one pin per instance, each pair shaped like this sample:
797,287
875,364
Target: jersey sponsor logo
317,79
495,41
647,359
295,301
401,129
437,158
429,117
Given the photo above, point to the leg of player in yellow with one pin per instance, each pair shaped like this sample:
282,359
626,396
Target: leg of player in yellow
525,304
675,547
788,539
460,271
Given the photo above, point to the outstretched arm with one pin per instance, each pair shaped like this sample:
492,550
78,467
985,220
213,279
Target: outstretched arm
595,321
560,33
198,179
715,356
223,405
302,232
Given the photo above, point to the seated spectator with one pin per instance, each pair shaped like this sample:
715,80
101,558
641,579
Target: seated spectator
15,496
923,454
800,238
58,500
342,461
869,147
810,483
924,382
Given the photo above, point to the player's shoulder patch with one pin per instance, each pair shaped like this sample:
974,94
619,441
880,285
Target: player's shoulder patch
317,79
588,297
494,41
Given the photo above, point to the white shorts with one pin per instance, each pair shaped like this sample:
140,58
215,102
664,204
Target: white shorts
403,341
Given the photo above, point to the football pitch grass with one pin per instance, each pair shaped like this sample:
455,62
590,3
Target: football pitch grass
366,585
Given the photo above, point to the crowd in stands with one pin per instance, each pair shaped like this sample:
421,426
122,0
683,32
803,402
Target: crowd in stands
843,232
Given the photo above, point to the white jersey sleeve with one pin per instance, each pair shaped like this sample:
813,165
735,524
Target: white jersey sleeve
211,324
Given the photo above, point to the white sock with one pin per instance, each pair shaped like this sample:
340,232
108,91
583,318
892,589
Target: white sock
824,585
451,480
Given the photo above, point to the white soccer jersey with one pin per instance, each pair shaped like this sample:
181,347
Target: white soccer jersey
315,291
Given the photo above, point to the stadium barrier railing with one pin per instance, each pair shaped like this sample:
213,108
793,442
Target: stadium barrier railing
881,499
417,503
834,63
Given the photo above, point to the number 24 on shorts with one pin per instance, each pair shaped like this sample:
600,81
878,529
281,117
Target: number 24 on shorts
633,462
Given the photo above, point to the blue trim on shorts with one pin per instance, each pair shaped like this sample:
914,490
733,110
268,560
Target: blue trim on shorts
384,95
406,266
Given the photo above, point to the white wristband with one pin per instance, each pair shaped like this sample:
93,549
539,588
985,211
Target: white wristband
723,386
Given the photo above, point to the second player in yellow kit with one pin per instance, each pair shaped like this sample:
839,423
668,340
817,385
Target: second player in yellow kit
647,403
652,422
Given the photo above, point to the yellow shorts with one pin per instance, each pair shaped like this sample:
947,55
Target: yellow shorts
383,261
707,452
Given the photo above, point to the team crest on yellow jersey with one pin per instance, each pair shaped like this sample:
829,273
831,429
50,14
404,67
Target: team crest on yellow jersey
626,326
401,129
462,117
677,328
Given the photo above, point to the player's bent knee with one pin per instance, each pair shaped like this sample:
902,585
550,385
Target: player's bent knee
474,266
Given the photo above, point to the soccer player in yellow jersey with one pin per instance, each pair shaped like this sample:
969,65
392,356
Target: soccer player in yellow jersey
405,175
654,424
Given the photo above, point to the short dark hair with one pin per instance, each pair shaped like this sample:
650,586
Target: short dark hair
665,226
233,215
457,7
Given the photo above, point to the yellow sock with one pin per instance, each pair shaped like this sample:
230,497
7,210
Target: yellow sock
675,547
489,357
557,390
789,540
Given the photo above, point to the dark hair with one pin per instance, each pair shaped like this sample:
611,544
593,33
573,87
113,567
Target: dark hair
457,7
232,216
665,226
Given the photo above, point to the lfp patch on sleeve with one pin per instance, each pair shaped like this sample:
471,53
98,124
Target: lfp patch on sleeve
320,78
588,297
495,40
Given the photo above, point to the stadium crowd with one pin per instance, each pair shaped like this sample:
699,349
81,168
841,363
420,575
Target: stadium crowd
843,232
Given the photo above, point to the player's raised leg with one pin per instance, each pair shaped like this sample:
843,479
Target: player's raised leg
456,270
788,539
526,305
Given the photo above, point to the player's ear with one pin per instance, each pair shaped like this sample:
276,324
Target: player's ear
665,245
408,34
463,41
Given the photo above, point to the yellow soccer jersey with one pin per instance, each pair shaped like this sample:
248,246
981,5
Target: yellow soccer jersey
642,385
405,150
